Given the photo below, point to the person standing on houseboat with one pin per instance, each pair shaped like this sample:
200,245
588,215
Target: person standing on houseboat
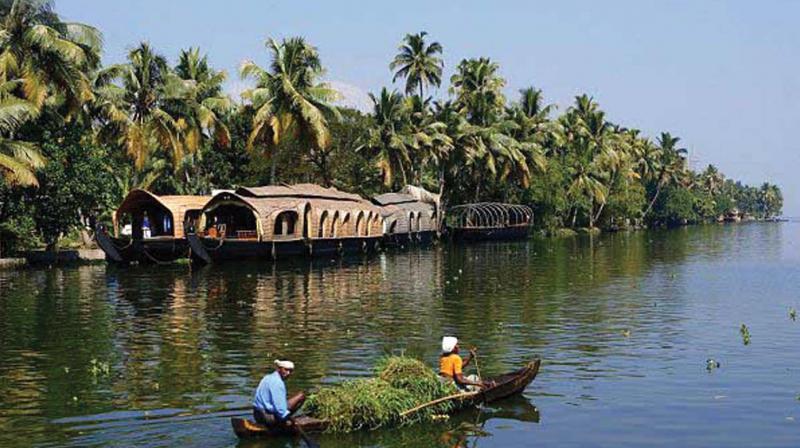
270,405
451,365
146,232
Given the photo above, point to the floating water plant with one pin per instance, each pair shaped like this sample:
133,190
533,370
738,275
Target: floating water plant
792,314
712,364
745,332
401,383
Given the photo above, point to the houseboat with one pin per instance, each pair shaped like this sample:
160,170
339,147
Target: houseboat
410,216
150,228
273,222
488,221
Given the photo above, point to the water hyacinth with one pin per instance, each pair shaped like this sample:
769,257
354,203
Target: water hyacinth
745,332
401,383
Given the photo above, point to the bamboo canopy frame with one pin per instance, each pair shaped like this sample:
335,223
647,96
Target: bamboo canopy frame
489,215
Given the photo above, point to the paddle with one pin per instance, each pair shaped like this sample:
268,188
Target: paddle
311,443
474,354
458,396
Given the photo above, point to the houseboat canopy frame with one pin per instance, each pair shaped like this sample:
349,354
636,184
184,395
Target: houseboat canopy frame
489,215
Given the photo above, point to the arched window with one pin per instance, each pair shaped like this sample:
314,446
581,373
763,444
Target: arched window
323,221
359,223
419,222
346,224
285,223
411,221
335,225
392,227
377,224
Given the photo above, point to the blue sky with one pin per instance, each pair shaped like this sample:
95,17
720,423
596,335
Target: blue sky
724,76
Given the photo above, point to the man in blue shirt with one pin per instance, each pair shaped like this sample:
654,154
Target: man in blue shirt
270,405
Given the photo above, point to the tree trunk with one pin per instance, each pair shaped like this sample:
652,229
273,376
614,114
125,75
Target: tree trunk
403,175
600,211
440,211
272,170
574,216
653,201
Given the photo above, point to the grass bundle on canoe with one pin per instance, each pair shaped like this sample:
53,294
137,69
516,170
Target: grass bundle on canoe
401,384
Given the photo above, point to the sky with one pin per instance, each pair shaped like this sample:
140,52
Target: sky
724,76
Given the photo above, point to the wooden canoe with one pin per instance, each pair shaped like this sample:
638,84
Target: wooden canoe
505,386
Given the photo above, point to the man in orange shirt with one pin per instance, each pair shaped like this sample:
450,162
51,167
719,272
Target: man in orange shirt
451,364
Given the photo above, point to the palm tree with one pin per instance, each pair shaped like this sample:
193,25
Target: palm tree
596,155
711,180
18,159
132,111
389,141
43,62
291,103
47,58
201,108
672,165
478,90
419,63
429,141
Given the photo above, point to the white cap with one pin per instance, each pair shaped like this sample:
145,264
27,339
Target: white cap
449,343
284,364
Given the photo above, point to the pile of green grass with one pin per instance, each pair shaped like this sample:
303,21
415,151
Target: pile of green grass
401,383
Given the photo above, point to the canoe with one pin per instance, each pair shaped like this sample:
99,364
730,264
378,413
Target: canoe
511,383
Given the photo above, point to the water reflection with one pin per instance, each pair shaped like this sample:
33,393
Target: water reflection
185,346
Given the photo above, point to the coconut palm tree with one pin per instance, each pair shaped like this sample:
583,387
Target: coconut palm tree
43,62
131,106
389,142
18,159
201,109
430,141
672,166
47,58
477,88
291,104
711,180
419,63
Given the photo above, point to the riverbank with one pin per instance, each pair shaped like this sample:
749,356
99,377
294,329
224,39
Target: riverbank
93,255
61,257
566,232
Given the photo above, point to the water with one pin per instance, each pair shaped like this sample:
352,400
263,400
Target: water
624,323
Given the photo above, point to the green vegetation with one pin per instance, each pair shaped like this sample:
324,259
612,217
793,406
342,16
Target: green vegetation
745,332
75,137
401,384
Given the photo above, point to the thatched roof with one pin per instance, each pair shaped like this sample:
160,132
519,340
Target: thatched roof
298,191
177,206
393,198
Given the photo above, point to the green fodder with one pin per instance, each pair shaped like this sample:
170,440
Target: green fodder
401,384
412,374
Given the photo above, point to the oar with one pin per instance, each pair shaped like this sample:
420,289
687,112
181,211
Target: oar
311,443
477,367
460,395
